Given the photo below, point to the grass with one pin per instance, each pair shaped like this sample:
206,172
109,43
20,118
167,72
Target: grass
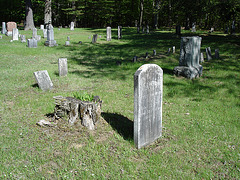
201,117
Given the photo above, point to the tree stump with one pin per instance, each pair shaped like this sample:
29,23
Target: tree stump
73,110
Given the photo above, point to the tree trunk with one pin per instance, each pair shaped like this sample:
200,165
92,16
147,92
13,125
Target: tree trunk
141,13
48,12
156,6
29,24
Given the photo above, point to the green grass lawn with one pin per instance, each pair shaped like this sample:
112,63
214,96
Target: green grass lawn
201,117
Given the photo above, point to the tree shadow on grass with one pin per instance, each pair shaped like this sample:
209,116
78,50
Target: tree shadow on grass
120,123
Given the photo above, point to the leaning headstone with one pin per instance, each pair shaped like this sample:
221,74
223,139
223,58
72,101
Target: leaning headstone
94,38
32,43
23,38
4,30
178,30
15,34
62,66
193,27
43,80
72,26
109,34
44,33
148,92
189,66
201,58
217,53
10,26
50,37
34,33
41,26
154,52
119,32
208,53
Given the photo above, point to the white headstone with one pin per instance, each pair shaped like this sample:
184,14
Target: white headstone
15,34
208,53
62,66
119,32
72,26
23,38
109,34
43,80
41,26
44,33
34,33
148,93
4,29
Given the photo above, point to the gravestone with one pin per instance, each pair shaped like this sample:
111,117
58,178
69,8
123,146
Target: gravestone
211,30
38,38
10,26
217,53
23,38
233,28
148,92
178,30
67,43
1,37
189,66
72,26
4,30
94,38
146,55
62,66
42,27
193,27
15,34
208,53
201,58
173,49
148,30
154,52
50,37
32,43
43,80
68,38
44,33
34,33
143,29
134,59
169,51
109,34
138,29
136,23
119,32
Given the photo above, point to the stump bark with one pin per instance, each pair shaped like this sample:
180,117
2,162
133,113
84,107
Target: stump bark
73,110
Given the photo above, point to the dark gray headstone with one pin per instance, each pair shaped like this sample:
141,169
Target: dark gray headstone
154,52
94,38
109,34
208,53
148,92
62,66
23,38
217,53
43,80
4,29
15,34
32,43
189,66
119,32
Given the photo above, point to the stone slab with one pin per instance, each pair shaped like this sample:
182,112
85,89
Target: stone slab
43,80
62,66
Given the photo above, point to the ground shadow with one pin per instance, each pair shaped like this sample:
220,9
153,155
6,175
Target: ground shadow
120,123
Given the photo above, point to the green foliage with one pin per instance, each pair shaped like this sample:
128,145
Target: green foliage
83,96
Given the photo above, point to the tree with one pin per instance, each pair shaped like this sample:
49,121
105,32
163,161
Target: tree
29,24
48,12
141,12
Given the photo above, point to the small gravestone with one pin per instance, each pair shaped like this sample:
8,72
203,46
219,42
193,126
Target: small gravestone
32,43
178,30
109,34
80,42
94,38
72,26
41,26
173,49
154,52
201,58
1,37
4,30
10,27
68,38
143,29
119,32
138,29
34,33
233,28
134,59
169,51
44,33
38,38
211,30
15,34
62,66
148,92
148,31
23,38
193,27
136,23
146,55
189,66
217,53
43,80
67,43
208,53
50,37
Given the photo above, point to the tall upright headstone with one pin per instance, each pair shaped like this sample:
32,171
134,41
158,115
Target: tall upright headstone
72,26
109,34
15,34
44,33
94,38
62,66
34,33
4,29
190,53
10,26
43,80
50,37
119,32
148,94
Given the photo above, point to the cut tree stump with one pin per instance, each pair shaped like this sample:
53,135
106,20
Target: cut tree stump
72,110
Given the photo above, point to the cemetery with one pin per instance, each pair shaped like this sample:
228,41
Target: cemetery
119,102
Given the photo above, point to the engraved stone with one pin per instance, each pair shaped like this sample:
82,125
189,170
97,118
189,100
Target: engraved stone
32,43
23,38
4,30
119,32
208,53
50,37
148,91
72,26
15,34
62,66
109,34
34,33
94,38
43,80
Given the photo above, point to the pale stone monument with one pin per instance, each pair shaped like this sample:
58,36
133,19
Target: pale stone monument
34,33
62,66
32,43
148,94
4,30
189,66
119,32
15,34
23,38
193,27
42,27
43,80
10,26
94,38
72,26
173,49
208,53
109,34
50,37
44,33
201,58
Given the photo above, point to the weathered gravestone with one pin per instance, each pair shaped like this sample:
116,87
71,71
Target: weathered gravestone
4,30
42,27
148,92
44,33
154,52
38,38
68,38
119,32
217,53
34,33
134,59
193,27
23,38
94,38
178,30
109,34
72,26
67,43
15,34
233,28
43,80
62,67
173,49
148,31
32,43
208,53
10,26
50,37
201,58
189,66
